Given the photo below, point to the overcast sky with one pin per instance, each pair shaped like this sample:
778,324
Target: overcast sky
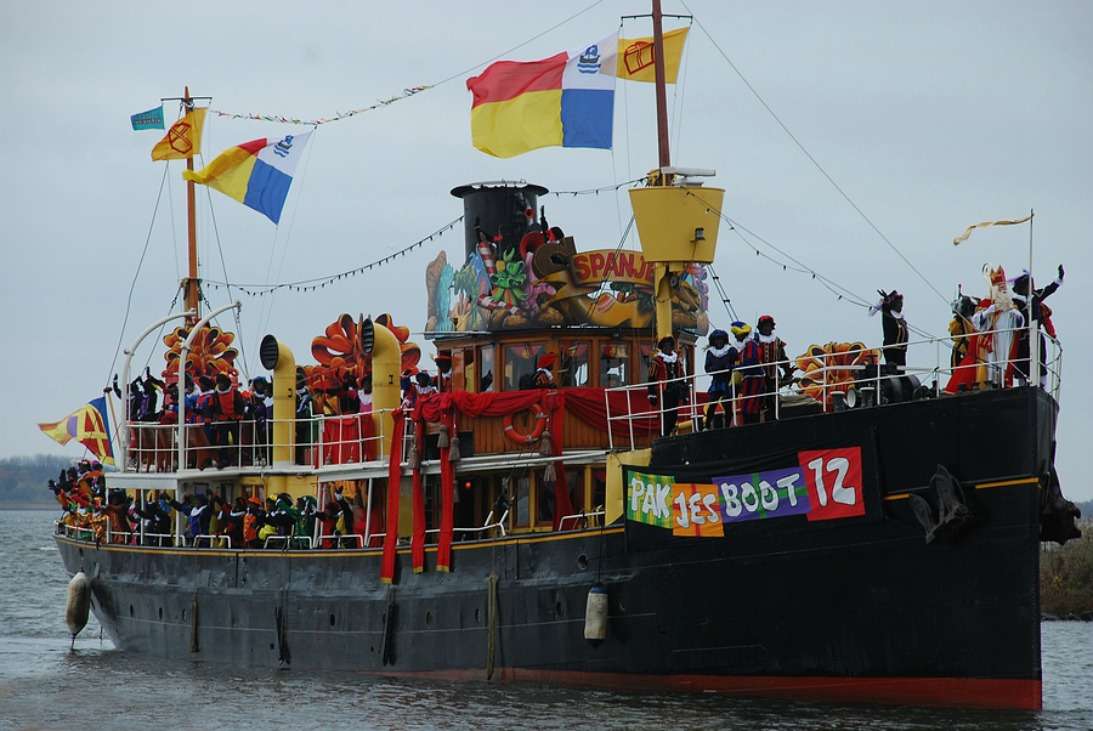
930,115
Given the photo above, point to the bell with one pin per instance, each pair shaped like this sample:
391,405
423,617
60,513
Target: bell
453,451
442,440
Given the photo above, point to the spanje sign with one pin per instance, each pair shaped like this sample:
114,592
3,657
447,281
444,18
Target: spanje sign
613,265
826,484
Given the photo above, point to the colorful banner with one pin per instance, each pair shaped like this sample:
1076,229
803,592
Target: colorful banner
696,512
826,484
768,494
649,498
152,119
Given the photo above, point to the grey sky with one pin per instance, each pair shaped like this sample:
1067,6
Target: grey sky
931,116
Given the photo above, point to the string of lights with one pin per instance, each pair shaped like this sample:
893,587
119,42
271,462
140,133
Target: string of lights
596,191
310,285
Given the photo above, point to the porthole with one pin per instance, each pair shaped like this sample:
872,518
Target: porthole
428,617
582,562
130,610
331,620
161,612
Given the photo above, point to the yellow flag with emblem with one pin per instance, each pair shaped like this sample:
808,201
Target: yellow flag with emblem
183,139
636,57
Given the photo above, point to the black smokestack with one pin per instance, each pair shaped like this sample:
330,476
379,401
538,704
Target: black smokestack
499,208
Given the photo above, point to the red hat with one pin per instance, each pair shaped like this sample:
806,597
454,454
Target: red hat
766,318
546,360
986,302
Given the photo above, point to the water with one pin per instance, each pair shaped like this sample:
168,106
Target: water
42,685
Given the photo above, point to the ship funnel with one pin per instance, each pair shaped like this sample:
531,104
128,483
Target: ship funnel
278,358
508,208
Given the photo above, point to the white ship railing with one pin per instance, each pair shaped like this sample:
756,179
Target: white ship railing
643,416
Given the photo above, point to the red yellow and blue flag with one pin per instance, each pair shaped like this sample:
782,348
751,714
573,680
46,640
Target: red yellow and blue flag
567,100
256,173
88,425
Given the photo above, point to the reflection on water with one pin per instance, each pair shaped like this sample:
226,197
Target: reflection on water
42,685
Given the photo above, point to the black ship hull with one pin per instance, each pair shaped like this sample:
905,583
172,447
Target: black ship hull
861,608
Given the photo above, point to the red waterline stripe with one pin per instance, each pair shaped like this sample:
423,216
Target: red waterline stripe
953,692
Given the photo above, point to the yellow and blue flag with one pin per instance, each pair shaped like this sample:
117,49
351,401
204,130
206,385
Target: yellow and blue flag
88,425
256,173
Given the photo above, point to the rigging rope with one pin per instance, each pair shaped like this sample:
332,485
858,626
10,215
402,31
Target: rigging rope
259,289
224,268
136,274
405,94
814,161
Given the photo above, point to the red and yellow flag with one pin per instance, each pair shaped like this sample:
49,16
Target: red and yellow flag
183,139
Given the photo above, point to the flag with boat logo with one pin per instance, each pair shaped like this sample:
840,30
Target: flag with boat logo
258,173
183,139
88,425
988,224
566,100
636,62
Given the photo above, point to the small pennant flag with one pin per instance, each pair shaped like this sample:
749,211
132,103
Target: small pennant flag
88,425
987,224
183,139
152,119
256,173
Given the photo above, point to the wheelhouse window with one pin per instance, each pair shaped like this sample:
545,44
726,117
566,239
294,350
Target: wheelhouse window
485,369
520,364
576,370
614,364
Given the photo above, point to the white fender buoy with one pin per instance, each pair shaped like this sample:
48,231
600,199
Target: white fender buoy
78,604
595,613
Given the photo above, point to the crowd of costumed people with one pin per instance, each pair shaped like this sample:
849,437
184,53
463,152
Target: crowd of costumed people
208,519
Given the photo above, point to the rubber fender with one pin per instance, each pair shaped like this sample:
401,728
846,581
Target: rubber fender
595,613
78,604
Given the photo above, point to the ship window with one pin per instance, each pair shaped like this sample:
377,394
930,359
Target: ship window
520,364
523,501
575,482
485,369
614,364
646,355
599,489
544,504
575,366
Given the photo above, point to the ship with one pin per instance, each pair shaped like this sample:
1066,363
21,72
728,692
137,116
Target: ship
872,538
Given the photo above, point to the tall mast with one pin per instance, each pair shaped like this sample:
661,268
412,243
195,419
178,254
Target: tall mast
664,154
193,284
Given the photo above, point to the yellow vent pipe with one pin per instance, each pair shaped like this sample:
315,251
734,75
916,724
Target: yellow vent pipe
278,358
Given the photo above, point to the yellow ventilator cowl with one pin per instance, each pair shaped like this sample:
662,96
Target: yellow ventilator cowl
677,223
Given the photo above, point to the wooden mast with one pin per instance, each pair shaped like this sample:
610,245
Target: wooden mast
193,284
664,153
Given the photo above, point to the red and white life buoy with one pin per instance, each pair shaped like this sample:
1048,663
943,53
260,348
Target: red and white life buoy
537,431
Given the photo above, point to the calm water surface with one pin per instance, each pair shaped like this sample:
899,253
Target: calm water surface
42,685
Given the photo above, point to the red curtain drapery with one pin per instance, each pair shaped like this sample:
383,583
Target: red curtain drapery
394,478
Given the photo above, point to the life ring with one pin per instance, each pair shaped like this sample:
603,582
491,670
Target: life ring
540,426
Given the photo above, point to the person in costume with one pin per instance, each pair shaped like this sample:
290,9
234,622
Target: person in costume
748,373
893,326
1041,313
544,371
720,358
997,322
961,329
665,391
775,364
226,407
443,362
